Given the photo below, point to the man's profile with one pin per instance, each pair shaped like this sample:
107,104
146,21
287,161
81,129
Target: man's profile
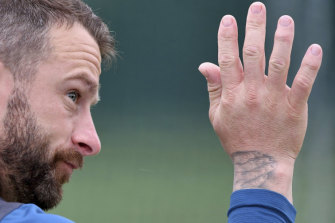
50,58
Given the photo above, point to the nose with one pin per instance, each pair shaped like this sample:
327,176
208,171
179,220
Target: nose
85,136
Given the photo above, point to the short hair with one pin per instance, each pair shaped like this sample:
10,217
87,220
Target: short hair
25,25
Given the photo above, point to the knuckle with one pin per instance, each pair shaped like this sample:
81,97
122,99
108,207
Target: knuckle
283,37
254,25
304,82
311,66
228,36
226,61
252,51
214,89
292,112
277,64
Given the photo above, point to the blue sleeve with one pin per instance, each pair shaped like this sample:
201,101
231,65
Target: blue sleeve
30,213
258,205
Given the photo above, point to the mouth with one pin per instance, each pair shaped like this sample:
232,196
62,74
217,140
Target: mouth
71,165
68,160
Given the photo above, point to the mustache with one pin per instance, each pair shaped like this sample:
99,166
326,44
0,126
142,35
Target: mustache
70,156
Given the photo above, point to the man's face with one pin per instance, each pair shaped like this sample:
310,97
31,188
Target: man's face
48,129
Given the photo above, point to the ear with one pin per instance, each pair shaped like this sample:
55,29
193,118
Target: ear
6,87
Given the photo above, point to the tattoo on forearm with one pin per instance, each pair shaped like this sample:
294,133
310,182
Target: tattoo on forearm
252,169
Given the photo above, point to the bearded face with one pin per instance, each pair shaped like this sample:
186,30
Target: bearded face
30,171
46,133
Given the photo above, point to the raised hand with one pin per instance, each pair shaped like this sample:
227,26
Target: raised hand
260,121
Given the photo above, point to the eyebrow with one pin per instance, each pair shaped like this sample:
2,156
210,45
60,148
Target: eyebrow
89,82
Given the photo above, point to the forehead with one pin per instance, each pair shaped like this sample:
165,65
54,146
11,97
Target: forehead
75,44
73,61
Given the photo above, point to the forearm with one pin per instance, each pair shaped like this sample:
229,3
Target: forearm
259,170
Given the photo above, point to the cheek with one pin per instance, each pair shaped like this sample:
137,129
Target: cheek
54,119
58,127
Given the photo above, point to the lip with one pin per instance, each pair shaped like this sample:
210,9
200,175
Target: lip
71,165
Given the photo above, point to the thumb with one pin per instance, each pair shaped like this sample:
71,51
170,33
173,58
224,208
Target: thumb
212,74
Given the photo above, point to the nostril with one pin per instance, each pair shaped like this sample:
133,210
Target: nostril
85,147
86,140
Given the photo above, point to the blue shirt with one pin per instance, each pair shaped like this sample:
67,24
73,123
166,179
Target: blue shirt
258,205
246,206
30,213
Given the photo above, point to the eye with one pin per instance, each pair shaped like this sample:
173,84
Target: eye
73,95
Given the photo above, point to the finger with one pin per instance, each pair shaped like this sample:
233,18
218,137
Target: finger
228,53
253,49
303,82
280,58
212,75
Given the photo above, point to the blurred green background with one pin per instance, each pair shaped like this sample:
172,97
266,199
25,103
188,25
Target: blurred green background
161,161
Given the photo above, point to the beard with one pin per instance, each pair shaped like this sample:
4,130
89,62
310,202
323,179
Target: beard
29,173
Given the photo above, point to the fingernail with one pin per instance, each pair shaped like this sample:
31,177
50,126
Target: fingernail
227,21
256,8
315,50
202,70
285,21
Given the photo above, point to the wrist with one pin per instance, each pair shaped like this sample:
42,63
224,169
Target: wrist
257,170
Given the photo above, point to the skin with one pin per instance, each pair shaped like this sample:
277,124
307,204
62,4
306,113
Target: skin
72,68
48,128
7,84
260,121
